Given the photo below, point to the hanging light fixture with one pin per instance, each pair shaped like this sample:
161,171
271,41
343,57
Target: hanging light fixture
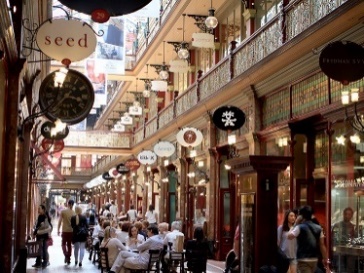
348,97
211,21
163,74
183,51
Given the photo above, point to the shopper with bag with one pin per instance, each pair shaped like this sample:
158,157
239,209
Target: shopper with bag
80,233
41,230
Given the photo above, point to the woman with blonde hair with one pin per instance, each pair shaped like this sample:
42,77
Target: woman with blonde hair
112,243
80,234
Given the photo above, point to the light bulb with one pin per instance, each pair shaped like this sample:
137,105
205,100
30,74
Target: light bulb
183,53
146,93
211,21
163,74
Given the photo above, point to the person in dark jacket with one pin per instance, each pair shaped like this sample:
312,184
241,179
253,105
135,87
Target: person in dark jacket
80,233
197,251
310,241
42,228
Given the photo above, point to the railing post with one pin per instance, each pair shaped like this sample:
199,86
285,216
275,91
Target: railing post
199,75
231,58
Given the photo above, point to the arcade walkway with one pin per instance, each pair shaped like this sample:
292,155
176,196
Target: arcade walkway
57,262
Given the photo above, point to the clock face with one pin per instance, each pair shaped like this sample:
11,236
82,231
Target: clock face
71,102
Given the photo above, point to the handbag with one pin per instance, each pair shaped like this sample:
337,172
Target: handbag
50,241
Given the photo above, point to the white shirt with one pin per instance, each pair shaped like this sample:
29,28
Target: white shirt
114,247
130,243
132,215
170,237
151,217
114,210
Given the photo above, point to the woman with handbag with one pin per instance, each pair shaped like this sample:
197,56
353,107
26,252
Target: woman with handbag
80,234
288,247
42,228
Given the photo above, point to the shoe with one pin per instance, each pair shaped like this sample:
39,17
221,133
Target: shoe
36,265
44,266
76,262
80,264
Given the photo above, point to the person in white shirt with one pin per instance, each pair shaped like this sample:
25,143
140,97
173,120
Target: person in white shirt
151,216
133,240
170,240
132,214
113,210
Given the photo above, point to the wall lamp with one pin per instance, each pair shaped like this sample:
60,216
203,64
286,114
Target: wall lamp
352,96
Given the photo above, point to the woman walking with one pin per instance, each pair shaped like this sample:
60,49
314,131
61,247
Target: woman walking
151,216
42,228
289,247
80,233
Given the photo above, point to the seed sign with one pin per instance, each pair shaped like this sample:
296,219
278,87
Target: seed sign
66,40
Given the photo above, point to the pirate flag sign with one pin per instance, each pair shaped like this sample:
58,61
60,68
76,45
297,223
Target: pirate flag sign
228,118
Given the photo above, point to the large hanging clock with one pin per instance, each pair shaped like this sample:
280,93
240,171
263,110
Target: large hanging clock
70,101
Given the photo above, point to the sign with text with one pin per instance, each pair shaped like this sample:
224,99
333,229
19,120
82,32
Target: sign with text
147,157
61,39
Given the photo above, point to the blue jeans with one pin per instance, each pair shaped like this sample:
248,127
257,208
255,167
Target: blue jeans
79,247
43,252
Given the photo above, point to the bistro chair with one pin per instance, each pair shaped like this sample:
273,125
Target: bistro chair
176,260
153,264
104,259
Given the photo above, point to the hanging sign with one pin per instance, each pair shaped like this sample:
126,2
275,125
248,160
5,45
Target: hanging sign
178,66
135,110
189,137
147,157
46,131
126,120
51,145
164,149
66,40
100,16
114,173
119,128
121,168
343,61
132,164
203,40
159,86
228,118
107,176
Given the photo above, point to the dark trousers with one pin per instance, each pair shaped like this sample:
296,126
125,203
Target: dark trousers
67,244
43,253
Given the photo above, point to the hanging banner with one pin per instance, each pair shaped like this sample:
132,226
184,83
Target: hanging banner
203,40
126,120
178,66
132,164
189,137
135,110
164,149
121,168
228,118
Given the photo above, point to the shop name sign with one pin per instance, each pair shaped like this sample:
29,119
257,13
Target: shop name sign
147,157
62,40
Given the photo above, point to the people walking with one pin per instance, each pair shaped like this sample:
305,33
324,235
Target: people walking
151,216
42,228
80,234
289,247
132,214
67,230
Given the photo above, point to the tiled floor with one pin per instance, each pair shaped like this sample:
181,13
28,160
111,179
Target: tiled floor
57,262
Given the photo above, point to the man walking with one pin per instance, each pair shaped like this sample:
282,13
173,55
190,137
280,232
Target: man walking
310,240
67,231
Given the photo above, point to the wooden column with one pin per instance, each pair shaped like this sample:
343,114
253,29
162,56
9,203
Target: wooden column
265,169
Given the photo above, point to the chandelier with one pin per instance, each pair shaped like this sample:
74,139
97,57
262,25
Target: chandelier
348,97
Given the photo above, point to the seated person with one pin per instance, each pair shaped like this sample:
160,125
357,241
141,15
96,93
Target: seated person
132,260
134,239
163,229
197,251
112,243
123,232
170,242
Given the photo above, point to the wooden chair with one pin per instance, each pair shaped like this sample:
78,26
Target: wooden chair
104,259
153,264
176,260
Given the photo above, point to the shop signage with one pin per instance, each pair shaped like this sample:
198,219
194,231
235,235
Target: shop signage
203,40
178,66
147,157
121,168
126,120
114,173
46,131
107,176
159,86
189,137
228,118
66,40
135,110
164,149
52,145
343,61
132,164
100,16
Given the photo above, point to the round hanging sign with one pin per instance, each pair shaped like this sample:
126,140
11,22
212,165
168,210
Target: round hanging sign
66,40
343,61
114,8
164,149
132,164
147,157
46,129
100,16
228,118
189,137
55,145
121,168
107,176
114,173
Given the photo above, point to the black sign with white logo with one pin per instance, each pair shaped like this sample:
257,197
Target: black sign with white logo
228,118
121,168
107,176
343,61
46,131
